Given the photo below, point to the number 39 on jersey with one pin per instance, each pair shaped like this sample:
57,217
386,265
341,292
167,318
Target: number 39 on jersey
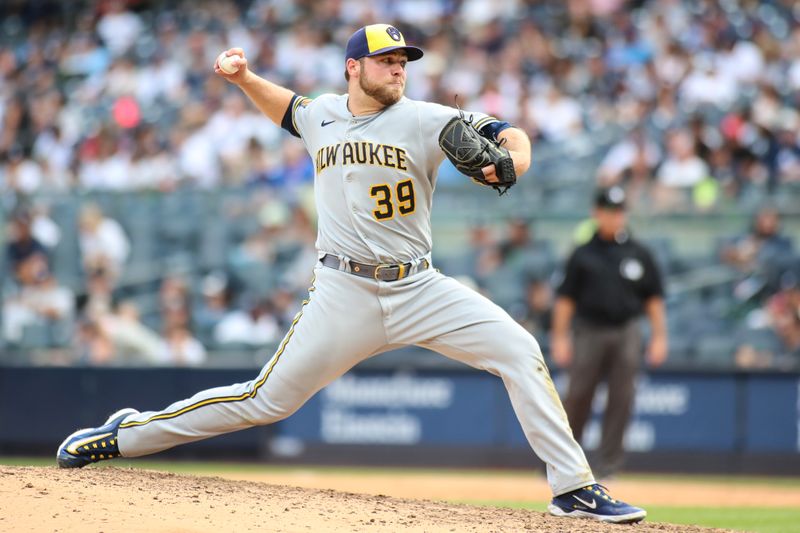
389,201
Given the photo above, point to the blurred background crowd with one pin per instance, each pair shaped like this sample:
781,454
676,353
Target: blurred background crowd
153,216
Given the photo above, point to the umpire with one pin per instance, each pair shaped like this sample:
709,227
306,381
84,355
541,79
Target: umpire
609,283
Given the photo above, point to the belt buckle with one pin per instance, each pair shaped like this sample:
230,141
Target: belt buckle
378,269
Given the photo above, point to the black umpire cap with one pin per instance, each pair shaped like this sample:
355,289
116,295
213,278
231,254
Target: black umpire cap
610,198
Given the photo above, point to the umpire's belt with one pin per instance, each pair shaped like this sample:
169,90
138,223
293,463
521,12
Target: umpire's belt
378,272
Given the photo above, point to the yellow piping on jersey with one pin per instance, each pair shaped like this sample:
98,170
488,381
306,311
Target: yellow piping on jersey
299,101
484,121
229,399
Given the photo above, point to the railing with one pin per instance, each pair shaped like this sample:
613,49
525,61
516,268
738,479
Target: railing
191,231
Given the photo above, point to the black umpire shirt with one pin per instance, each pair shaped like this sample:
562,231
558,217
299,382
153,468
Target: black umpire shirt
609,281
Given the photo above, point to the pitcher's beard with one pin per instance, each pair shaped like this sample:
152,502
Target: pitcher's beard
385,94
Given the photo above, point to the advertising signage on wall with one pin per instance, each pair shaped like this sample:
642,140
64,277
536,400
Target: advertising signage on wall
672,413
400,409
381,409
726,413
772,414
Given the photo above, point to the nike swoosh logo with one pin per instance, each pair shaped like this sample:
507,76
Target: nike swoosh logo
73,448
592,505
326,123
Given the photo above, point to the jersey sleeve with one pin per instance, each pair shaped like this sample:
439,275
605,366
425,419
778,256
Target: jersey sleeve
296,116
434,117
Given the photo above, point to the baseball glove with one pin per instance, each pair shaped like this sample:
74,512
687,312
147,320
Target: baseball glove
470,151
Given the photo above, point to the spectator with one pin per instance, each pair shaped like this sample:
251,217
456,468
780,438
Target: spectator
631,163
762,247
179,348
653,67
197,157
265,166
774,338
132,341
285,306
664,53
44,228
304,253
479,257
22,244
556,115
262,247
230,131
215,304
679,173
103,244
174,304
41,300
153,165
536,314
20,173
766,107
257,326
741,60
785,165
97,301
119,28
92,347
784,313
104,163
706,85
501,267
297,169
522,253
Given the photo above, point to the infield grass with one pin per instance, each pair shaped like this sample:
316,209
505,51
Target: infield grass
209,467
754,519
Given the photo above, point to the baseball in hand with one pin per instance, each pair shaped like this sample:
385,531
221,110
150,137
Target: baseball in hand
226,64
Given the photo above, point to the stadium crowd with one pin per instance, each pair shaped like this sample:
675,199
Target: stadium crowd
119,97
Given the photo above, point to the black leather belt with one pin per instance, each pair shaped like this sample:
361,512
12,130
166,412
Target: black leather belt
378,272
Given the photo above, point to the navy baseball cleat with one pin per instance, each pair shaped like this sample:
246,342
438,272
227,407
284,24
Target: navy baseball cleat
595,503
87,446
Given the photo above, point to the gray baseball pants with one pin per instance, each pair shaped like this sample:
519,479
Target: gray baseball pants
347,319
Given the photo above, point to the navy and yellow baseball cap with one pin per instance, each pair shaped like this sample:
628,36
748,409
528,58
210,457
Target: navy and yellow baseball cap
378,39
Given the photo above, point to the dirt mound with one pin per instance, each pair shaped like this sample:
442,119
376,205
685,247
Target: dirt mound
124,499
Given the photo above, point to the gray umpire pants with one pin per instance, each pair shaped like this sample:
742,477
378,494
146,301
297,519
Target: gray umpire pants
613,354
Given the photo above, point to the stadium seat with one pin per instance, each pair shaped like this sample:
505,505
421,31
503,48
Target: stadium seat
715,350
36,336
763,340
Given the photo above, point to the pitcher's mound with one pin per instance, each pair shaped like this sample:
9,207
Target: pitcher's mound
124,499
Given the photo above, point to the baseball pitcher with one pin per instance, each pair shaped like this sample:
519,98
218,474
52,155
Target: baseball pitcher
374,288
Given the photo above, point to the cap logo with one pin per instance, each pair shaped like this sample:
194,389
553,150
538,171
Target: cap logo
379,39
616,195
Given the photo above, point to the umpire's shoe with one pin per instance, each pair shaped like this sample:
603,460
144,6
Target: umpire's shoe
91,445
594,502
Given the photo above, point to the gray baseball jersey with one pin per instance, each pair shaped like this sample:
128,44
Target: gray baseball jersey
374,182
375,174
